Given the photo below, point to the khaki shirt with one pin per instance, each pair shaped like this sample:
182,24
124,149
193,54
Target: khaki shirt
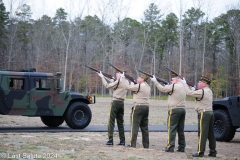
206,103
120,92
142,96
178,96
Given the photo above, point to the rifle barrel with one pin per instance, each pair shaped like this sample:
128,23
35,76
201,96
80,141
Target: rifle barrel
92,68
126,75
98,71
149,75
157,78
187,81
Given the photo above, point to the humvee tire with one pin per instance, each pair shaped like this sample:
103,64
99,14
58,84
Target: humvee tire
223,129
52,121
78,115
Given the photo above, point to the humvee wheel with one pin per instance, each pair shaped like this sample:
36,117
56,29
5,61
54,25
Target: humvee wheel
78,115
223,129
52,121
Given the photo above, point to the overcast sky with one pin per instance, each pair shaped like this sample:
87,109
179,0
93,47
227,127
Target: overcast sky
125,8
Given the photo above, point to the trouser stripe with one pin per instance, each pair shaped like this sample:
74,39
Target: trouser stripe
200,134
169,132
132,124
109,117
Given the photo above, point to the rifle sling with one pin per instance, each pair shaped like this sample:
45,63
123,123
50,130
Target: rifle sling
138,89
117,85
201,97
170,93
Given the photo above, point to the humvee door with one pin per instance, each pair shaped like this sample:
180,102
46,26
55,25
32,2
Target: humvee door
15,99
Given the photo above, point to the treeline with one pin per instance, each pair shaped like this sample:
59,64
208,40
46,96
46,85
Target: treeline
192,46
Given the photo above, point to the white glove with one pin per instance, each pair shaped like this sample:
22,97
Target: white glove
100,74
183,81
111,80
131,83
153,79
193,88
122,75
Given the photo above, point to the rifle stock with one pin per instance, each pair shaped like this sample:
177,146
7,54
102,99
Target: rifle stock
157,78
188,82
98,71
126,75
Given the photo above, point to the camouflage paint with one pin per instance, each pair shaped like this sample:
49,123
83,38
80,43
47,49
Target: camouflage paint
33,102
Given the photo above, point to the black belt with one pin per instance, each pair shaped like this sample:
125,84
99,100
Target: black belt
119,99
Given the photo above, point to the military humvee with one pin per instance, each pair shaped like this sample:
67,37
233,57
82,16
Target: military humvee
227,118
38,94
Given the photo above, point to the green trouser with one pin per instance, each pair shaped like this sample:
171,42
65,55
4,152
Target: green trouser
175,123
205,131
139,118
116,112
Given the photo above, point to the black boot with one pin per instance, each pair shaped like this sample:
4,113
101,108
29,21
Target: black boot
212,155
109,143
168,150
180,150
197,155
121,144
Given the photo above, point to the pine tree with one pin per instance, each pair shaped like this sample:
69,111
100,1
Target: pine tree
3,31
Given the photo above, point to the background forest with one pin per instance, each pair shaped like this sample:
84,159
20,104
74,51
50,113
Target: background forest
192,45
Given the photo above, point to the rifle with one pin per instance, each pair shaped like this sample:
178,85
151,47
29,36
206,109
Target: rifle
188,82
158,79
126,75
98,71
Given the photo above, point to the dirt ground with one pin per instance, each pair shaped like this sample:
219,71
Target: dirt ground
89,145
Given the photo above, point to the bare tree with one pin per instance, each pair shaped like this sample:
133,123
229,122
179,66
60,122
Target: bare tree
180,40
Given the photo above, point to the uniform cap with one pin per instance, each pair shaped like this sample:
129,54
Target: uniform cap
205,80
144,76
124,71
174,75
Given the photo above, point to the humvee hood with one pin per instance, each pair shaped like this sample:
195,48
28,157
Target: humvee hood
76,94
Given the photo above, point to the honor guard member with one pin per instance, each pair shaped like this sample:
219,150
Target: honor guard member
176,112
116,108
140,110
204,98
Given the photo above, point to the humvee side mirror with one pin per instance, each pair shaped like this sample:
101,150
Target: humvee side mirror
59,81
